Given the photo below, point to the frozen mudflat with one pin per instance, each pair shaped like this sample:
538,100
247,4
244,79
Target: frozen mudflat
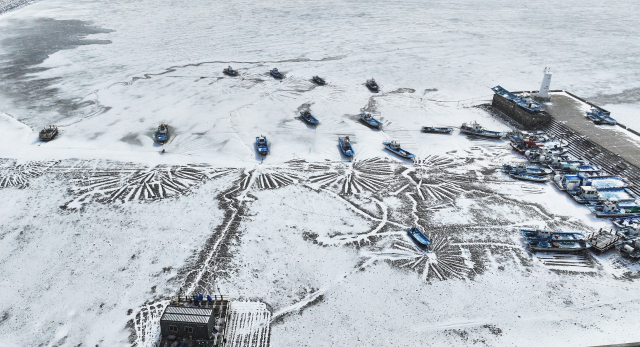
98,228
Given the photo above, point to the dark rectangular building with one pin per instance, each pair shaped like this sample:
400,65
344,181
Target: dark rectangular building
188,322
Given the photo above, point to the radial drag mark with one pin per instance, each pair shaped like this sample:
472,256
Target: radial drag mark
436,162
370,175
148,184
297,164
272,179
19,175
442,261
434,182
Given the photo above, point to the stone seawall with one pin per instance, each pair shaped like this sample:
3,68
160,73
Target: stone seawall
528,120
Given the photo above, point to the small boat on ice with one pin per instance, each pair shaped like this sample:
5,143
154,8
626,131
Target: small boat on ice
345,146
575,169
525,169
372,85
528,177
419,237
319,80
544,240
525,145
370,121
612,208
631,231
231,72
476,129
626,222
276,74
48,133
309,118
523,101
599,117
394,147
538,136
163,133
589,194
437,130
262,145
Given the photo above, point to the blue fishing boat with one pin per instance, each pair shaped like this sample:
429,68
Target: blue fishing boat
564,167
626,222
604,181
599,117
572,182
557,150
162,134
421,240
522,168
612,208
524,102
370,121
519,136
476,129
309,118
628,227
345,146
372,85
319,80
590,194
394,147
231,72
567,163
544,240
527,177
528,104
631,248
587,168
262,145
276,74
540,156
437,130
503,92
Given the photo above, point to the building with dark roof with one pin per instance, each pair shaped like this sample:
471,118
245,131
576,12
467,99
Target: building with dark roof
195,320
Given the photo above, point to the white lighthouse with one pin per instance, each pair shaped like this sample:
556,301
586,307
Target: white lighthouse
543,95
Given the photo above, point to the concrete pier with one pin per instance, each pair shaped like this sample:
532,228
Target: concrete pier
612,147
569,110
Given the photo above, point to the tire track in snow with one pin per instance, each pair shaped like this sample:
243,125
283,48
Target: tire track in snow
319,294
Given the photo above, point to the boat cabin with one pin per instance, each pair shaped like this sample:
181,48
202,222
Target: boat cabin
610,205
394,145
262,140
543,234
570,182
473,126
588,193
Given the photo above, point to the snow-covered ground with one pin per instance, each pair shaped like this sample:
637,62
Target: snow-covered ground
98,227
